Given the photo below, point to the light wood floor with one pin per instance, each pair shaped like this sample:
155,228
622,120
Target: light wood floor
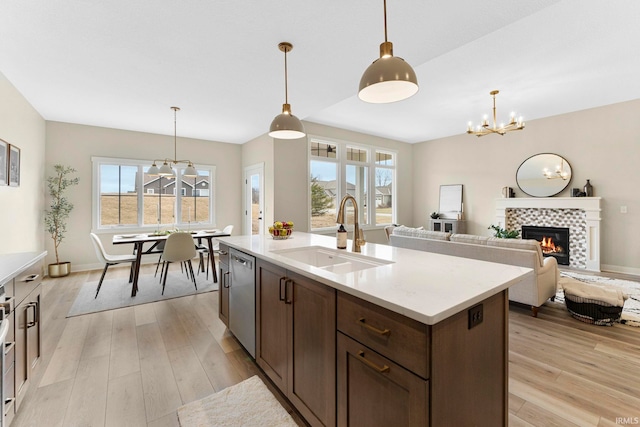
135,366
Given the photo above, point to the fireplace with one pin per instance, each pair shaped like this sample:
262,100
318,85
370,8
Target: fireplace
554,241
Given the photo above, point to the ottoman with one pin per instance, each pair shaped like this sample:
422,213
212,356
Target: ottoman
591,303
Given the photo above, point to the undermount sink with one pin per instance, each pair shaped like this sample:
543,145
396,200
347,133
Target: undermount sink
333,260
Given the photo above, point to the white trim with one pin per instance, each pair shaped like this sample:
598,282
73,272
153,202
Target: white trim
341,184
257,169
141,165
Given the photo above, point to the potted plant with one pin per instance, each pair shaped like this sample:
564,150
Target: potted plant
55,218
504,233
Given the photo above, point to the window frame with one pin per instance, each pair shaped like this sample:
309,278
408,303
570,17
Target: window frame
341,177
97,162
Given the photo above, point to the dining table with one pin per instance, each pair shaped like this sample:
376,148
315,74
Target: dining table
138,241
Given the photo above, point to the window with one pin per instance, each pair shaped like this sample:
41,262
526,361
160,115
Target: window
119,202
338,168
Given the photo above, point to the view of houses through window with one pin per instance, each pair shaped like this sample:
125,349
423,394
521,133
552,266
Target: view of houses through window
128,196
338,168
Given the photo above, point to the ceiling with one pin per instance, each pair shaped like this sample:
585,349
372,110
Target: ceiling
123,64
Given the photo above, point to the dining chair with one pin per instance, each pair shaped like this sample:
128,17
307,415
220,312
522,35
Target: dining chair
179,247
203,250
108,260
160,249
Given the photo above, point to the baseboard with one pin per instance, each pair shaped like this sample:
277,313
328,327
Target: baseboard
621,269
76,268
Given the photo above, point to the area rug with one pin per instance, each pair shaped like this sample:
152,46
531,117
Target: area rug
116,293
249,403
631,309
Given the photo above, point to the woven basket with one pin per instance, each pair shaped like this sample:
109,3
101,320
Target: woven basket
592,311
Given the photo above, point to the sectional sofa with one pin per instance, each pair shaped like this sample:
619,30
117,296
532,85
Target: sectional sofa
533,290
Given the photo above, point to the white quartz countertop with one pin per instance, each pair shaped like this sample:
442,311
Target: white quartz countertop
423,286
12,264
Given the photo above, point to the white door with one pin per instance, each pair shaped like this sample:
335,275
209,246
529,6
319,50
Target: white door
254,199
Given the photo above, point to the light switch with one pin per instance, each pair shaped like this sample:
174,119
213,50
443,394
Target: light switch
623,209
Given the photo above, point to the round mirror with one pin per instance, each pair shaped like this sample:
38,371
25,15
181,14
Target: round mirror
544,175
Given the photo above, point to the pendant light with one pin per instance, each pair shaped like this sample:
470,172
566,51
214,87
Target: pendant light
286,125
389,78
166,169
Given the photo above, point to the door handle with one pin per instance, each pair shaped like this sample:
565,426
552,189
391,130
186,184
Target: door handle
225,280
362,322
240,260
286,291
280,293
372,365
31,278
35,321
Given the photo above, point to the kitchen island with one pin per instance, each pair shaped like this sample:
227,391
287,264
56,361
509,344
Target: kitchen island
390,336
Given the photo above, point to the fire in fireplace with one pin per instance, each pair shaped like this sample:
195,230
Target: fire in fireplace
554,241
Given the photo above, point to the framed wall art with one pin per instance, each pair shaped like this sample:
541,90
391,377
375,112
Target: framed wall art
4,163
14,166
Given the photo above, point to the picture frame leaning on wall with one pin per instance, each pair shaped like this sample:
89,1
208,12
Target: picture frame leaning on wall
4,162
14,166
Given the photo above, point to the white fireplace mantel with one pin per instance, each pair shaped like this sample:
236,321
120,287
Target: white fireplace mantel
590,205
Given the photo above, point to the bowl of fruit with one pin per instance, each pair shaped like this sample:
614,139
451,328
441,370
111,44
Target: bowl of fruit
281,230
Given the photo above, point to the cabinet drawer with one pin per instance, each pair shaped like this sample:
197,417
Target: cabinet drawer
223,254
27,281
403,340
8,288
9,390
375,392
9,355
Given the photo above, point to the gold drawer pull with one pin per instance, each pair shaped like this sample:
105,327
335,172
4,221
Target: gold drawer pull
362,322
372,365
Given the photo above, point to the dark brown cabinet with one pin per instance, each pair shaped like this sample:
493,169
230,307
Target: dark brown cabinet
383,366
295,340
393,370
341,360
374,391
223,285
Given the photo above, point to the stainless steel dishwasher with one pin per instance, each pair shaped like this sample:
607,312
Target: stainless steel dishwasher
242,299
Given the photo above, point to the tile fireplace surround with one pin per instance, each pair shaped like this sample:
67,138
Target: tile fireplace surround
580,214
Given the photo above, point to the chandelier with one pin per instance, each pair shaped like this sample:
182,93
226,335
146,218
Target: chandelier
485,128
559,173
166,169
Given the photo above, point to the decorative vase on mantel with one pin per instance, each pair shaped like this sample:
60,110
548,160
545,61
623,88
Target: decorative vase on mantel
588,189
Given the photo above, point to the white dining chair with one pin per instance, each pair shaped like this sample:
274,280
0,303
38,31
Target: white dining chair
108,260
179,247
203,250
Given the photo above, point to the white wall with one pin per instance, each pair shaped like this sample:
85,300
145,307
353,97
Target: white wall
21,208
601,144
74,145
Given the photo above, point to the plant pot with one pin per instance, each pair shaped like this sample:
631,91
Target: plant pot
59,270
